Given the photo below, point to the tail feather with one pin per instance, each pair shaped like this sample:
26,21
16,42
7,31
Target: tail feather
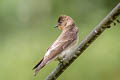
37,68
38,63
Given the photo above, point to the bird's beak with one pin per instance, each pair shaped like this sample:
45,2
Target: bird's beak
56,25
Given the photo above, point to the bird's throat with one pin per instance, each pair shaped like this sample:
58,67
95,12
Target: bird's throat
60,27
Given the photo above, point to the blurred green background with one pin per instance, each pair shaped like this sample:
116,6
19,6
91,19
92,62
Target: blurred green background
26,31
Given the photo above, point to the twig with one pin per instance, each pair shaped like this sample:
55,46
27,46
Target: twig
104,24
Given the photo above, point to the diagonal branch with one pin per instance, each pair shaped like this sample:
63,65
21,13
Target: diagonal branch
104,24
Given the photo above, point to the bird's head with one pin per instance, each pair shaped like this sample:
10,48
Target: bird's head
65,22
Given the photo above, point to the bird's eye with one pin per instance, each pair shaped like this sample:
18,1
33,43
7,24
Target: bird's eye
60,21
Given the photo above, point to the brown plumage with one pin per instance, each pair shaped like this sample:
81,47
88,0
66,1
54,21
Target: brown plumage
65,42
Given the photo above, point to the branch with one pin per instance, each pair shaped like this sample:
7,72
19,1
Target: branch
104,24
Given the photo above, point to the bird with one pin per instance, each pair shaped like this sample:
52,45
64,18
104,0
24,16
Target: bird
63,46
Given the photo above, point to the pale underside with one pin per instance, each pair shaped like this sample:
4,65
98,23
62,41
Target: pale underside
67,53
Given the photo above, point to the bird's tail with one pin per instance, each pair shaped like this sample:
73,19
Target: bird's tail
39,66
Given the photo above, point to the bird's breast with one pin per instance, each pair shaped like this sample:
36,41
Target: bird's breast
68,51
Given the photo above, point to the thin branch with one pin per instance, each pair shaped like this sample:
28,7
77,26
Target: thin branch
104,24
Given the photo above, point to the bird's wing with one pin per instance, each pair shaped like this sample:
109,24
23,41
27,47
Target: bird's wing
52,53
59,45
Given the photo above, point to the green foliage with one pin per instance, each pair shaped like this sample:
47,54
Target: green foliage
26,31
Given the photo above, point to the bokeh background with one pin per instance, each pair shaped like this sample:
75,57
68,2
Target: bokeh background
26,31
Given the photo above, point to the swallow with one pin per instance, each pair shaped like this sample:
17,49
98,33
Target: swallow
64,45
